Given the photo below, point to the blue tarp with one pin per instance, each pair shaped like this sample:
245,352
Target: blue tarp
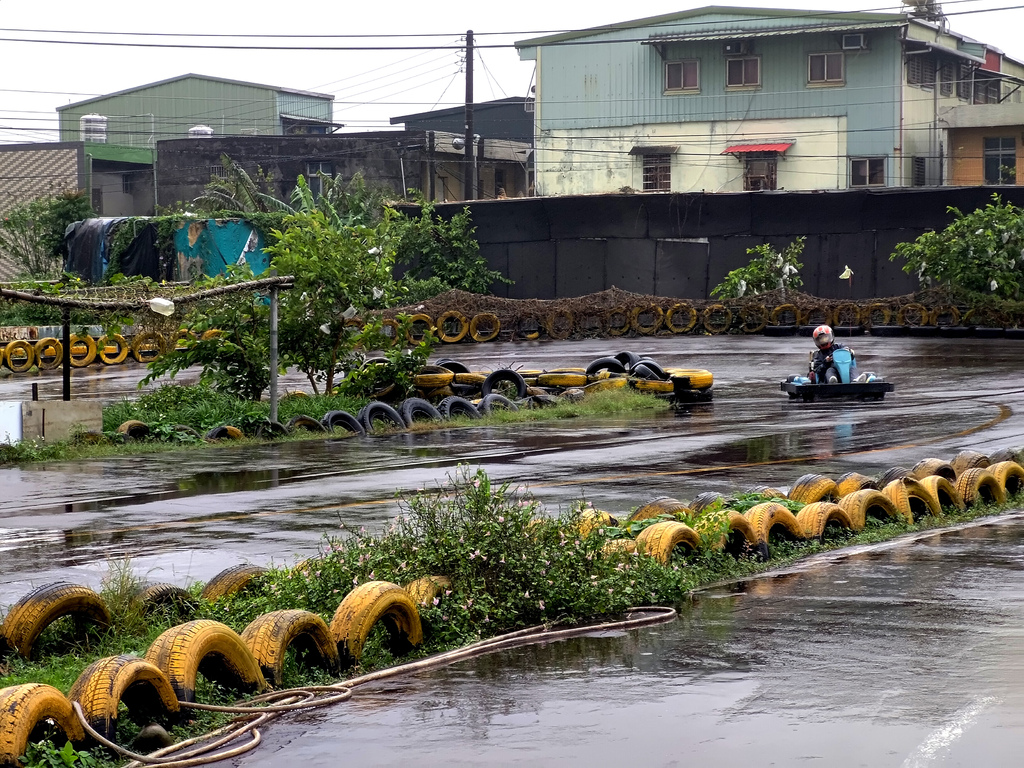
206,247
88,245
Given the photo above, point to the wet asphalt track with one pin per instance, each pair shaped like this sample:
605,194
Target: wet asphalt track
910,655
186,516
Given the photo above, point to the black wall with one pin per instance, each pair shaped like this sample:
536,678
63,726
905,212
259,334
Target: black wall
682,245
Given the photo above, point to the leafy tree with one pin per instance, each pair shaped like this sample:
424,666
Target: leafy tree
339,272
344,204
32,233
767,271
447,251
980,251
238,192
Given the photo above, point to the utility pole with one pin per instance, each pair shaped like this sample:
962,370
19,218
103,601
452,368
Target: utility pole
470,183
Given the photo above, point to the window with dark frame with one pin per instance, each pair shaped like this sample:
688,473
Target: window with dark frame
314,170
963,83
921,70
946,76
744,72
682,75
760,172
825,68
1001,160
657,173
919,173
867,172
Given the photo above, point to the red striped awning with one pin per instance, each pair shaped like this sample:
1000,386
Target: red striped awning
739,148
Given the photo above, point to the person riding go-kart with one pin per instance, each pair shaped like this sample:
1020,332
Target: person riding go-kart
822,368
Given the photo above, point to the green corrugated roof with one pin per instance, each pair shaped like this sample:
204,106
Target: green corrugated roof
752,14
728,34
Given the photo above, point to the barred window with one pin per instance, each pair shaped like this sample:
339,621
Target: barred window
657,173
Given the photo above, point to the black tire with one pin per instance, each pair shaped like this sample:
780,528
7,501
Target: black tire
378,412
186,431
502,375
334,419
268,430
652,366
495,400
644,371
302,421
459,406
627,359
452,365
606,364
417,409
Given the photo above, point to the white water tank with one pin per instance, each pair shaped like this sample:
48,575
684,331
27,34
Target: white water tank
200,132
93,128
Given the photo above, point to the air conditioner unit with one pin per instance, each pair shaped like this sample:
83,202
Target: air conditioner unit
854,42
737,47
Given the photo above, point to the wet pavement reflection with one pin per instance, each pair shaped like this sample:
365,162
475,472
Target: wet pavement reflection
907,655
186,516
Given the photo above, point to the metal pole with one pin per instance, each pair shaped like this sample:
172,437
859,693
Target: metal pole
66,362
273,353
470,183
431,170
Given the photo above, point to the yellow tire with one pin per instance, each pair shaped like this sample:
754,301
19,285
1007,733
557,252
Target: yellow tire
968,460
681,318
435,378
616,320
605,385
367,604
945,317
424,591
652,386
1010,475
49,353
646,329
559,324
484,327
230,580
978,485
528,327
662,506
562,379
458,333
181,339
22,708
717,318
148,346
107,683
928,467
661,539
767,491
156,595
271,635
754,317
212,333
83,350
593,519
876,314
209,647
816,314
133,429
20,354
943,491
42,606
815,518
414,334
847,315
852,482
912,499
113,349
858,505
471,379
768,517
812,487
742,539
913,315
780,311
699,378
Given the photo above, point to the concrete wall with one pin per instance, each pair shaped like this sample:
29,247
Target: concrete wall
967,152
682,245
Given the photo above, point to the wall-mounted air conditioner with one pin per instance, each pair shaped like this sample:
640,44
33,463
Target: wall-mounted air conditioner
854,42
737,47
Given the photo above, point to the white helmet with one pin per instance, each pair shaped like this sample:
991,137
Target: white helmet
823,336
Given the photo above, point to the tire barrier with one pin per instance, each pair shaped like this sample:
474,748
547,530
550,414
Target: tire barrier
389,328
913,315
847,315
305,422
817,314
20,355
927,467
484,327
528,328
49,353
272,634
507,377
230,580
894,473
419,326
754,318
164,681
968,460
363,608
80,357
681,318
166,595
458,324
784,314
945,317
616,320
37,610
133,429
148,346
379,415
854,481
433,377
207,647
108,683
876,314
224,432
559,324
716,318
610,364
495,401
113,349
814,487
22,708
417,409
457,406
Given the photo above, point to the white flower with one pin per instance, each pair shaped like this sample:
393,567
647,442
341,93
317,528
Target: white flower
325,328
993,285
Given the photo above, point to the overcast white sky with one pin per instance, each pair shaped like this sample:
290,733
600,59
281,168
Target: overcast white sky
370,87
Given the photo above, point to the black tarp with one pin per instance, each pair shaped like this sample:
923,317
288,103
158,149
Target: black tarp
142,258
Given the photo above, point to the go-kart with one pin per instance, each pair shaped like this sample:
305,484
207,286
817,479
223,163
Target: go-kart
866,386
